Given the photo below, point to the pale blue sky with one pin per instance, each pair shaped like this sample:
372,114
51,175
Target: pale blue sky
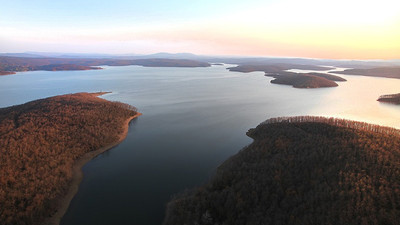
55,13
307,28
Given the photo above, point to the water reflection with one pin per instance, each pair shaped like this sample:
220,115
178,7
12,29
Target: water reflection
193,119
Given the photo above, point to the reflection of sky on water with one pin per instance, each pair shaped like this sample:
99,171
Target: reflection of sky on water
193,119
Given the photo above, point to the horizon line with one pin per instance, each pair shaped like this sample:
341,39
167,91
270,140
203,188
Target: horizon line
188,53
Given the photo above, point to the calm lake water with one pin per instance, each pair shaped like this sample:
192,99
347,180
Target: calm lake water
193,119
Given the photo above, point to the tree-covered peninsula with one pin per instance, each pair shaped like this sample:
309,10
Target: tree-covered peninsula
40,141
302,170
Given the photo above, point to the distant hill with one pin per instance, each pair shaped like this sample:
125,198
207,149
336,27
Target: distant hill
160,62
19,64
239,60
103,56
302,170
389,72
39,143
25,55
166,55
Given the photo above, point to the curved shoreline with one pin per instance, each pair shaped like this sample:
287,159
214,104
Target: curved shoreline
64,202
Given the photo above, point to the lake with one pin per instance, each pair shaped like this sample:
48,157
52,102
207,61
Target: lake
193,119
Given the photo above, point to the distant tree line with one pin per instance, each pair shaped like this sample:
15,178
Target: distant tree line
301,171
39,143
20,64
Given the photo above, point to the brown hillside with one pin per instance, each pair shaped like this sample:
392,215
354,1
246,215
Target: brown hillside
302,170
39,143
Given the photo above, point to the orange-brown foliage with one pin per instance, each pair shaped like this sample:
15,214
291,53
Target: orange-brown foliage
302,170
39,142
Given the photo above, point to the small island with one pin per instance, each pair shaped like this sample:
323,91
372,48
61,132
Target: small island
301,170
393,98
44,144
305,80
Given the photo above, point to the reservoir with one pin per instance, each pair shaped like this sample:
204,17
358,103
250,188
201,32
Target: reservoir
193,119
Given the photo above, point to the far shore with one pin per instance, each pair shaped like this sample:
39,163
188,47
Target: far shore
63,203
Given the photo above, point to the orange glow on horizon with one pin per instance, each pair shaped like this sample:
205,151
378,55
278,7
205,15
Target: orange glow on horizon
314,29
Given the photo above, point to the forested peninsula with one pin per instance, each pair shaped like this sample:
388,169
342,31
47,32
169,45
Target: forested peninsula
44,143
6,73
389,72
393,98
302,170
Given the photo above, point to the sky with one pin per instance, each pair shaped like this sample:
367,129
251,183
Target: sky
336,29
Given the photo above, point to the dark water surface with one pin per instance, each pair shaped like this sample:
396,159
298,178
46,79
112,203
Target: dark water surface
193,119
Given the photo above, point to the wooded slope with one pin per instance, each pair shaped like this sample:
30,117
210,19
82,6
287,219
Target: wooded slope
39,142
302,170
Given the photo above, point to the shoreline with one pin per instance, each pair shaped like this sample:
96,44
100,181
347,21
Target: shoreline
64,202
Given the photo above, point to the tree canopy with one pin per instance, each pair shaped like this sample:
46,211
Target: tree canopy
39,143
302,170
